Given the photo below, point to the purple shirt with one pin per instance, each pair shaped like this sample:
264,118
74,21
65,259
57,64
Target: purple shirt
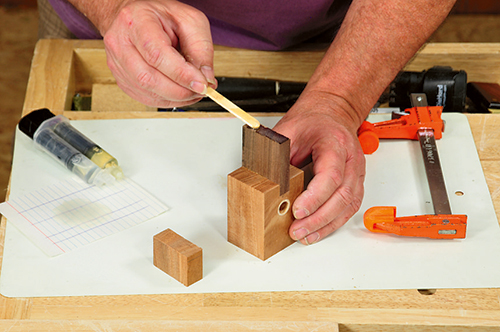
76,22
253,24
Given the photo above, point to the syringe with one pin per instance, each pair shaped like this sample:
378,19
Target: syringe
71,158
44,119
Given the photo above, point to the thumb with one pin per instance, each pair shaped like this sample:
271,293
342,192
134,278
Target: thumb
195,42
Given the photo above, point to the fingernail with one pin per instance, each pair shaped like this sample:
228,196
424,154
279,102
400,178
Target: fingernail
300,233
198,87
209,74
313,238
300,213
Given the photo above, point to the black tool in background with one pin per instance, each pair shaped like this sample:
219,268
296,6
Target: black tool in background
251,94
484,96
442,85
237,88
265,104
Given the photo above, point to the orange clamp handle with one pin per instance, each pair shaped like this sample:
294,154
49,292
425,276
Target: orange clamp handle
404,127
382,219
368,138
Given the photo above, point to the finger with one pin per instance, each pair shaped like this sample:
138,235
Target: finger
196,44
128,65
329,166
336,221
152,99
349,193
158,47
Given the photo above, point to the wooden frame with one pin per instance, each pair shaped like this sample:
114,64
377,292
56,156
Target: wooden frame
62,67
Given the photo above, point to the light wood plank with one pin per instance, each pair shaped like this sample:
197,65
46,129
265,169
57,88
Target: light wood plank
295,66
481,61
163,326
485,130
407,316
51,82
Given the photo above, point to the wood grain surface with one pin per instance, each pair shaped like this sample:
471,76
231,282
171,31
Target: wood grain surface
258,215
178,257
267,153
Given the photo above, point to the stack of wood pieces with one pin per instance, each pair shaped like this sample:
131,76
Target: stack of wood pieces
261,194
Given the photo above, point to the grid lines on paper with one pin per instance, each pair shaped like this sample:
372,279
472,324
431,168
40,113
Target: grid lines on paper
71,214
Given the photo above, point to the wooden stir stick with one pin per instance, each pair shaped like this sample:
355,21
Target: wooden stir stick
232,108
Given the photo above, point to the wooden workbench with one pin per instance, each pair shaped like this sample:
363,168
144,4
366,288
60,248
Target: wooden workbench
62,68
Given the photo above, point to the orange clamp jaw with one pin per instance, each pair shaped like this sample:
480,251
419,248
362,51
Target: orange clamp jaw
403,127
382,219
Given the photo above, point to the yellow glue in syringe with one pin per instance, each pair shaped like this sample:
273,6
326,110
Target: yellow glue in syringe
61,126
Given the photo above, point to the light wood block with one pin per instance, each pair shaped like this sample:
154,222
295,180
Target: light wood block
178,257
258,216
110,98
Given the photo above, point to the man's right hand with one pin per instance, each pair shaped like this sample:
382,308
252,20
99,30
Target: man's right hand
160,52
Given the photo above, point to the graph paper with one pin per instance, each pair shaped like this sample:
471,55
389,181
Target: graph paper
70,214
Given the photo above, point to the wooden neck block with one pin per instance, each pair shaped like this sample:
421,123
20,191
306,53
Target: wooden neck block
258,216
267,153
261,194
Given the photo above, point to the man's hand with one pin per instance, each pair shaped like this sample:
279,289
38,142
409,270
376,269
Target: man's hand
318,129
159,51
375,41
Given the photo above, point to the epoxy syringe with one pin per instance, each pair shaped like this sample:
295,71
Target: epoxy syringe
65,143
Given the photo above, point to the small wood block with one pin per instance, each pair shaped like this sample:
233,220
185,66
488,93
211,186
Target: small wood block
259,217
267,153
110,98
177,257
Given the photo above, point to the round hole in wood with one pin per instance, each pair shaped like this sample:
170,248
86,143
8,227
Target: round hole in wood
459,193
284,207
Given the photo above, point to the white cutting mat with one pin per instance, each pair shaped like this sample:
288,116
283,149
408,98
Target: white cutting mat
184,164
